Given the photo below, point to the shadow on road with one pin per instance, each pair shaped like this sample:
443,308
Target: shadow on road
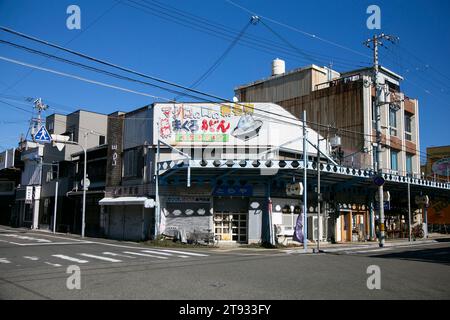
438,255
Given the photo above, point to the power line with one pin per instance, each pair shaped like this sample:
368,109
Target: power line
12,86
122,77
298,30
96,82
216,64
218,30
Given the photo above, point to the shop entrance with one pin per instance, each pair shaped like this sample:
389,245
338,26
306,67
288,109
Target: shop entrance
230,219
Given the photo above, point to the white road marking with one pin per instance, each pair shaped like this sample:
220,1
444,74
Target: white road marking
373,250
53,264
99,257
61,256
6,230
118,255
24,237
19,244
187,253
4,260
144,255
31,258
163,253
51,243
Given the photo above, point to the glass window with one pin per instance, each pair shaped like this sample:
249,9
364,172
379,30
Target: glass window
394,160
408,126
409,165
393,121
132,163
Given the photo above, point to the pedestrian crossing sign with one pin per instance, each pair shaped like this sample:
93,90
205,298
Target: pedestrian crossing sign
42,135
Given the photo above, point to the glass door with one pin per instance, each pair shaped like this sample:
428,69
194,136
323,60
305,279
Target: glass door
231,226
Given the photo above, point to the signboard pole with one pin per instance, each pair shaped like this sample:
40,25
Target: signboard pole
157,205
305,193
83,222
409,210
56,198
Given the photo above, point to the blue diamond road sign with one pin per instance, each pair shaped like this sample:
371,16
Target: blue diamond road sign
42,135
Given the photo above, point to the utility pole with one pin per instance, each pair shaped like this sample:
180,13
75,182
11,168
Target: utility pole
305,186
35,124
374,44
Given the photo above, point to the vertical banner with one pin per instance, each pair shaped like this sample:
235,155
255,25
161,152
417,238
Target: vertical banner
298,231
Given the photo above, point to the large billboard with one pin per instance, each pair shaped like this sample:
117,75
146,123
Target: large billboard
441,167
229,125
7,159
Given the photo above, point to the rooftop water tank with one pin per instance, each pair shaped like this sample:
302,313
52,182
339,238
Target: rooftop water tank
278,67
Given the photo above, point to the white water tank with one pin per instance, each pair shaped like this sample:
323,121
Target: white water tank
278,67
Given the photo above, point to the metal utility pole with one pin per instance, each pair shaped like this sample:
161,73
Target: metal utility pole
409,212
56,196
374,43
39,106
305,192
83,219
318,189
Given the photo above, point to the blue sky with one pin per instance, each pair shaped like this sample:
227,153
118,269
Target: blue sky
136,38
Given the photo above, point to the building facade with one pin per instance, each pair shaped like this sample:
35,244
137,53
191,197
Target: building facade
344,105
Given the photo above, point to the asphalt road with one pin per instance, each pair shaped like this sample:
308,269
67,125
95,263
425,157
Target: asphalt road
34,265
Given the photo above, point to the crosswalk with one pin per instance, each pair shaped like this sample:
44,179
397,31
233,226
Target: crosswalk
84,258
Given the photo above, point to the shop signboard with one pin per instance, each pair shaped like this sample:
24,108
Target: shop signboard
228,125
229,191
442,167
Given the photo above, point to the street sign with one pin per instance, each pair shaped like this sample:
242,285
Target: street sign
29,195
387,205
42,136
378,181
59,141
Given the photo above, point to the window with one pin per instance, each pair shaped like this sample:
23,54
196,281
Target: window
132,163
409,164
393,121
408,126
101,140
394,160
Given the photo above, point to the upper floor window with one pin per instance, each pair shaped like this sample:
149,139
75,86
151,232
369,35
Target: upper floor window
101,140
393,121
394,160
408,126
409,163
133,163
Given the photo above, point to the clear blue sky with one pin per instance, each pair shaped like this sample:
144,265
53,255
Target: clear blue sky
140,40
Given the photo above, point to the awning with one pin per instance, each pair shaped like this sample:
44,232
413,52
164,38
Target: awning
120,201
